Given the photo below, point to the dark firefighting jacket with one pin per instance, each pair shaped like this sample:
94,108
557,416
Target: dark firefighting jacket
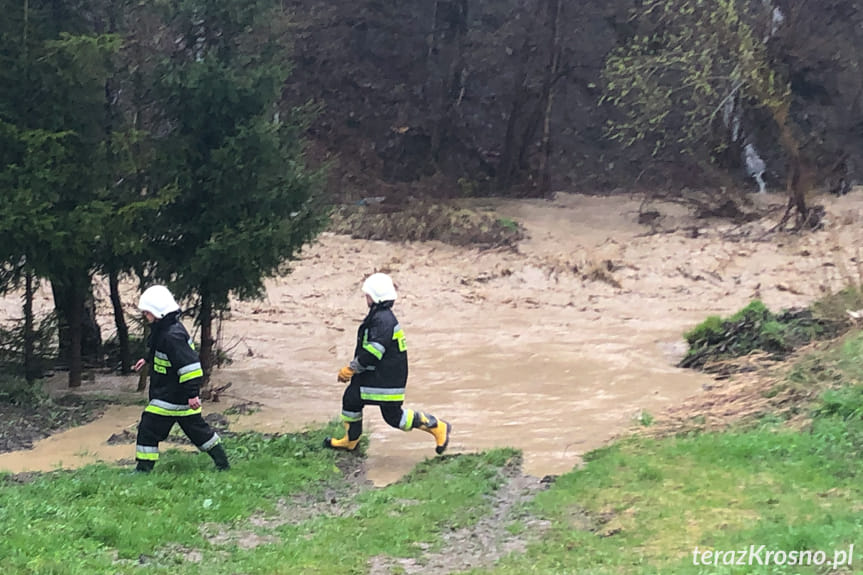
380,359
175,366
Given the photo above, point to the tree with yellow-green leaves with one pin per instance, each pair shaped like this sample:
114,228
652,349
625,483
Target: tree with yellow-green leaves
686,63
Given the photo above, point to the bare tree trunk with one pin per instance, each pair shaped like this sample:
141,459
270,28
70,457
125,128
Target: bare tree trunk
91,333
505,168
79,334
61,309
554,10
433,35
509,158
206,320
76,331
144,373
545,150
528,135
143,377
111,176
120,323
29,335
531,104
445,63
435,90
800,181
797,182
30,368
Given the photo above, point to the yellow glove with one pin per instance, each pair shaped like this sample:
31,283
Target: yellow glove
345,374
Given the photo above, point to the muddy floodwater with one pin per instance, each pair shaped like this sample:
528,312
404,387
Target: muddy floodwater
553,348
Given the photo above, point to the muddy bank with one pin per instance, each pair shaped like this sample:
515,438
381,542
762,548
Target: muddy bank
551,348
21,426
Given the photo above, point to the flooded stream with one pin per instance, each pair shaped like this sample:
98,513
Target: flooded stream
552,349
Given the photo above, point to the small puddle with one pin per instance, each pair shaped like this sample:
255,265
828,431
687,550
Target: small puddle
80,446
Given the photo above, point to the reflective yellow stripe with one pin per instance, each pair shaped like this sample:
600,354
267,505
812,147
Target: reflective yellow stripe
191,375
370,347
160,369
382,397
160,361
372,350
170,412
146,456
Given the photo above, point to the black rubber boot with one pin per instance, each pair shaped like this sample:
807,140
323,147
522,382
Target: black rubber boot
220,458
144,466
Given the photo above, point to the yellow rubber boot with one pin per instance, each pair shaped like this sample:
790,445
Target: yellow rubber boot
344,443
440,429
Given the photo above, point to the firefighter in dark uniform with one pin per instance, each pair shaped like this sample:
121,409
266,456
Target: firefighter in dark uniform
378,373
175,378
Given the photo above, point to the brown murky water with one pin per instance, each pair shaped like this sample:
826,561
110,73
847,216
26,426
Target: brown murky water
79,446
514,348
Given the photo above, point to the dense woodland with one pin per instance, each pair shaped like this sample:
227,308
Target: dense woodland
199,143
146,139
477,96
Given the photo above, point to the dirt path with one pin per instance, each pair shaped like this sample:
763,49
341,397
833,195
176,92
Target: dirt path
552,348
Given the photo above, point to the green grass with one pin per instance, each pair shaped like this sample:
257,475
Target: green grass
658,500
103,519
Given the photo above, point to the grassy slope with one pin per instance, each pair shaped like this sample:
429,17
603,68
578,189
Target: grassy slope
103,519
643,505
639,506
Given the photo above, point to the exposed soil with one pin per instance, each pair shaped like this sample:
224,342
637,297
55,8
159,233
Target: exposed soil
334,499
485,542
481,544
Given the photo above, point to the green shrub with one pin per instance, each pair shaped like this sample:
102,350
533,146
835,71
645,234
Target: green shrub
709,331
16,391
753,328
44,346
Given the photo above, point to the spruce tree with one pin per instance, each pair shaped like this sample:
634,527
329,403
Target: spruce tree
245,202
55,177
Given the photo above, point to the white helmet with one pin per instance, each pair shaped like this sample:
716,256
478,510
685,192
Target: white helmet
158,301
380,288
